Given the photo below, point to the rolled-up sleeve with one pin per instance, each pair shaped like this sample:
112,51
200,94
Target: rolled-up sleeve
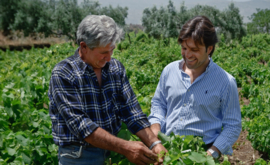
231,121
131,112
159,104
66,99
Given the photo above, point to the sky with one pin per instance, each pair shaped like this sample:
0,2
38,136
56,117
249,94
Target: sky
136,7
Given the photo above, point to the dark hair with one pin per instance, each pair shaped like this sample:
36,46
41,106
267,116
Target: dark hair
201,30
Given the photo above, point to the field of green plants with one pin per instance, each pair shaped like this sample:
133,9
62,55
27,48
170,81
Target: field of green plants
25,125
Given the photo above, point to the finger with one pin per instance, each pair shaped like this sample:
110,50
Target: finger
141,163
150,154
148,160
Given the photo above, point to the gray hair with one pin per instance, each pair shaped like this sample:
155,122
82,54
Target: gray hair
98,30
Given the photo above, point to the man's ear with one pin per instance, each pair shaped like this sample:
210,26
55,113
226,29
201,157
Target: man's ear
83,47
209,49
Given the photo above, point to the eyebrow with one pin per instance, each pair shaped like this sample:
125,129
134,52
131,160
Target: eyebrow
109,50
190,47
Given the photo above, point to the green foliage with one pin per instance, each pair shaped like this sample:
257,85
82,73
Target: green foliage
260,22
25,132
231,23
8,10
60,17
167,22
185,149
260,161
160,23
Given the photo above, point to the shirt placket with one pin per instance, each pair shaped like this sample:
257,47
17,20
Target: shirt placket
184,108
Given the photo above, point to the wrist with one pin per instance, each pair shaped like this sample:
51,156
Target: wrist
214,153
154,144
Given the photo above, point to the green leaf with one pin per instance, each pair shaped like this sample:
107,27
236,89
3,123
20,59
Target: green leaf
164,138
210,160
22,140
26,158
197,157
53,148
11,151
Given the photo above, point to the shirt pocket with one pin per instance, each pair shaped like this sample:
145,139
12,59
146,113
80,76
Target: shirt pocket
207,105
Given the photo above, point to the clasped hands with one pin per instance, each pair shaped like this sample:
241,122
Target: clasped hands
140,154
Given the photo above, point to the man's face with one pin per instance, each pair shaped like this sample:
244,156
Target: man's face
195,56
98,57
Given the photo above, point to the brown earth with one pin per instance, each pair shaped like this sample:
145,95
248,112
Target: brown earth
17,41
243,152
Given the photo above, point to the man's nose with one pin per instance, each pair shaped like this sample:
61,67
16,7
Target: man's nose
108,57
187,53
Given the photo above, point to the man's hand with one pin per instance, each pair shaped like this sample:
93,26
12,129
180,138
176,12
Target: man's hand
157,149
215,149
140,154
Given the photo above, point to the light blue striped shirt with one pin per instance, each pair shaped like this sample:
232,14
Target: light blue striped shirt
202,108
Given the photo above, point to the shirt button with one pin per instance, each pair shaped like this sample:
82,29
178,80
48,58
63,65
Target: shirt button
181,119
185,105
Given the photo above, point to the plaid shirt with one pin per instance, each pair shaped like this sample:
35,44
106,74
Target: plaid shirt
78,105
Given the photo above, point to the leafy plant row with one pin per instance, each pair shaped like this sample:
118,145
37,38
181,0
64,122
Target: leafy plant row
25,132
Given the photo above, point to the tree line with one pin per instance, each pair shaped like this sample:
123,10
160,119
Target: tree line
166,22
62,17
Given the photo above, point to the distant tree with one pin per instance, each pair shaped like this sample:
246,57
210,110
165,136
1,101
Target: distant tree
260,22
118,14
31,16
60,17
166,22
66,18
182,16
209,11
232,23
8,9
160,23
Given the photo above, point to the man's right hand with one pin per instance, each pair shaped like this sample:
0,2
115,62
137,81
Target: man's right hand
138,153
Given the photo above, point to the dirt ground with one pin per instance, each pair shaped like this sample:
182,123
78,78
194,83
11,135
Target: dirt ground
243,152
17,41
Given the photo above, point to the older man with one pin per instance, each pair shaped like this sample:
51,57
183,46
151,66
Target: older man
90,96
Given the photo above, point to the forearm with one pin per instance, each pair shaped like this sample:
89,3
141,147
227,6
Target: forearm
147,136
103,139
155,128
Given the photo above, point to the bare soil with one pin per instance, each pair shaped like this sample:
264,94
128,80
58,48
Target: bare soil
17,41
243,152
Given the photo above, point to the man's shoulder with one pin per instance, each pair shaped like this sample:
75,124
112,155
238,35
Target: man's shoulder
221,74
173,65
68,66
116,66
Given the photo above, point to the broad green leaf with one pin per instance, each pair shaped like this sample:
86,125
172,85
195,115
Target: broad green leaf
53,148
164,138
11,151
197,157
26,158
210,160
22,140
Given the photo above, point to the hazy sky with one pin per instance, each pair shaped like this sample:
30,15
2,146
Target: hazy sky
136,7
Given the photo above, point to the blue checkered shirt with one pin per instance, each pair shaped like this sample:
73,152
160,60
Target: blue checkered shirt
78,105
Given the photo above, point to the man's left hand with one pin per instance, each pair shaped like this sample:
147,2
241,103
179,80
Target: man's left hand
157,149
